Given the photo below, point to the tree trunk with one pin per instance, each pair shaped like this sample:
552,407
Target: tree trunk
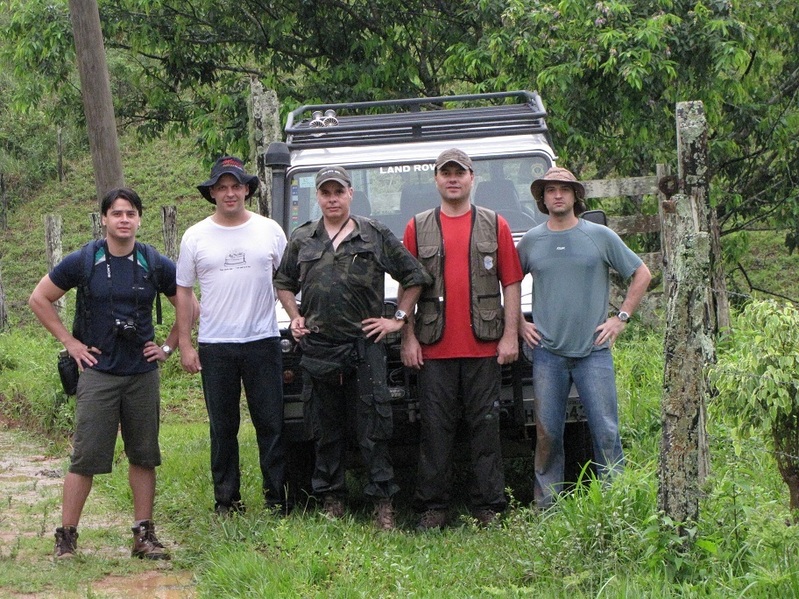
688,345
785,435
96,92
265,119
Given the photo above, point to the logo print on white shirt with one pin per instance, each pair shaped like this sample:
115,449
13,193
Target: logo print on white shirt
235,258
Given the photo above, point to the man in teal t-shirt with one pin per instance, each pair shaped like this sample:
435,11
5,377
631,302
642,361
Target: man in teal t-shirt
571,335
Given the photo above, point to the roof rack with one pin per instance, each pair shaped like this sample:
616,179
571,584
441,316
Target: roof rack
415,119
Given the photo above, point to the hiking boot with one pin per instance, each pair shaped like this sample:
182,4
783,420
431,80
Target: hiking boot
432,519
235,507
485,517
384,515
66,542
145,543
333,507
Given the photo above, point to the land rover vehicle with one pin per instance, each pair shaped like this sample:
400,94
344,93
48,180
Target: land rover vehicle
389,148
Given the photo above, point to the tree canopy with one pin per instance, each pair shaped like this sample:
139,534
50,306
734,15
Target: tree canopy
610,73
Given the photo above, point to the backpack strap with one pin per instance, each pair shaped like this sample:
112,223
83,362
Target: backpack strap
155,272
88,256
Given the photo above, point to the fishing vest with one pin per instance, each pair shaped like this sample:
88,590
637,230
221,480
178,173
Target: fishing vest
488,316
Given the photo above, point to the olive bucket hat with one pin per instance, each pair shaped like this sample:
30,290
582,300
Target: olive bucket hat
557,174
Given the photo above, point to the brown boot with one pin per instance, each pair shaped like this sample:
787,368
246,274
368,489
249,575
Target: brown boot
66,542
485,517
333,507
432,520
384,515
145,543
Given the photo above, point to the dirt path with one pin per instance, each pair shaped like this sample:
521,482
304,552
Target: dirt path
30,500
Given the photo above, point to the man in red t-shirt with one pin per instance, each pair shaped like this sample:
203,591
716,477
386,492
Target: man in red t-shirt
460,338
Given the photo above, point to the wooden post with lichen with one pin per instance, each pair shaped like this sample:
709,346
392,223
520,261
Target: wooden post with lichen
689,324
97,225
3,311
265,118
52,237
169,228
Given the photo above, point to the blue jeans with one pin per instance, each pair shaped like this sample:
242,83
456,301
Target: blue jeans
595,380
258,365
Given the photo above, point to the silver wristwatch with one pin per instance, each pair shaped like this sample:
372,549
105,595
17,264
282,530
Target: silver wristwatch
401,315
623,316
167,350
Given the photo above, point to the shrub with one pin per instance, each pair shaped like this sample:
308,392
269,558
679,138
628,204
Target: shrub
757,379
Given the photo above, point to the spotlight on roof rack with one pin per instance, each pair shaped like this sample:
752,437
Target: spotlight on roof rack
326,119
316,121
330,119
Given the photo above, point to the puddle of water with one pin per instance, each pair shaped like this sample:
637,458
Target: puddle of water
153,584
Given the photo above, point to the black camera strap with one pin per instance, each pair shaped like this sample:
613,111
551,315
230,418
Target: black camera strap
137,287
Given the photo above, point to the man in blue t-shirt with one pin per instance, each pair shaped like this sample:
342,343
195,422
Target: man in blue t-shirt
571,334
113,344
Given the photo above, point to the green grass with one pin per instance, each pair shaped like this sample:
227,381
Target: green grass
599,541
607,541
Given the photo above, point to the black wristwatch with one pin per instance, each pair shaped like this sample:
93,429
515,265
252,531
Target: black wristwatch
401,315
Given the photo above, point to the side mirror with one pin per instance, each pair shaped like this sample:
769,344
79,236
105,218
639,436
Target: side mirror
595,216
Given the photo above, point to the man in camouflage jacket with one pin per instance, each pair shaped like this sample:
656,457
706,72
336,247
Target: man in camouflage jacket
338,264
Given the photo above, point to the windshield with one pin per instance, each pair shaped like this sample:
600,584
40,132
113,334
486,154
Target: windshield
394,194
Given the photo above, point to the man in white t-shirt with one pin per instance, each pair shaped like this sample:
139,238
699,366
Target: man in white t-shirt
233,255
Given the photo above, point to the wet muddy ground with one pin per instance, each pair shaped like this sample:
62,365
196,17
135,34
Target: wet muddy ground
30,508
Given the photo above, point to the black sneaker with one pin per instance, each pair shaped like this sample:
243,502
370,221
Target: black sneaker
66,542
235,507
146,544
278,509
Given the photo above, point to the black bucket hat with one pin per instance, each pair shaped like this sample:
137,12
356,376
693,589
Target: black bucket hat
228,165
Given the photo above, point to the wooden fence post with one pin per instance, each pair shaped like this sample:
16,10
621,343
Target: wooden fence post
3,203
169,227
265,117
3,311
52,239
60,154
97,225
688,343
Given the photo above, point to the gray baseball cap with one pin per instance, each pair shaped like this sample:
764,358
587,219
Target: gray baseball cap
333,173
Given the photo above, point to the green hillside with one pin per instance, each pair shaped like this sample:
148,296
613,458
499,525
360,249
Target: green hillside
164,173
